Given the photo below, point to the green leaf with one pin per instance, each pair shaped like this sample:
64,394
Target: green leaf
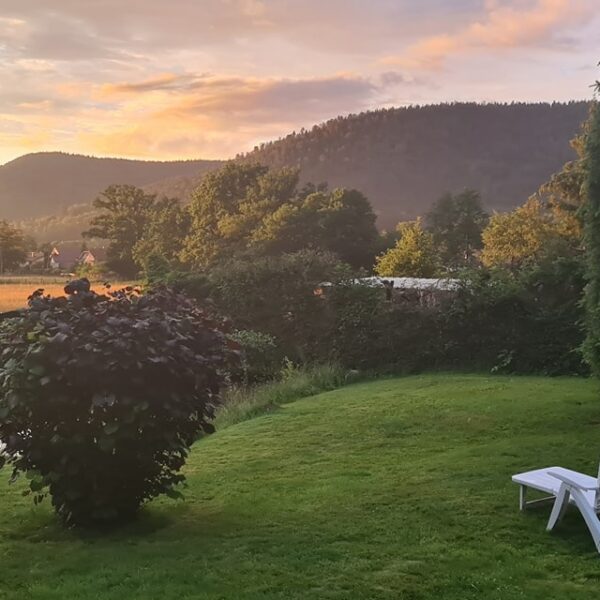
36,485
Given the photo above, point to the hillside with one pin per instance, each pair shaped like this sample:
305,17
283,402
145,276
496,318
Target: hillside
405,158
398,488
402,158
47,183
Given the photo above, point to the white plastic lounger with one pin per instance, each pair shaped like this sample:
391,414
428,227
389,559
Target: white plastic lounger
563,486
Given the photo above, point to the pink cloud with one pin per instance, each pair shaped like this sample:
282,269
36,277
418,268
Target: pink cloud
517,26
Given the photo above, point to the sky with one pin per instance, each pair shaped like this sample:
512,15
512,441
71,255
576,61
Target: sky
157,79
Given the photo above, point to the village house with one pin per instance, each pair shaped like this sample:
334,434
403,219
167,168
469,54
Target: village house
68,258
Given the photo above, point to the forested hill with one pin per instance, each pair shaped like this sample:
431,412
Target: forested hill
402,158
405,158
46,183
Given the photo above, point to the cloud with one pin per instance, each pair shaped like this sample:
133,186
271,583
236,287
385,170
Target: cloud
210,78
502,27
207,115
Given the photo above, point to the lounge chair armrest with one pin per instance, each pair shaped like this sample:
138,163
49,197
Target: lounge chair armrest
566,479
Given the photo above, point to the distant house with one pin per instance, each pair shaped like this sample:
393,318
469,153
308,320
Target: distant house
92,257
68,258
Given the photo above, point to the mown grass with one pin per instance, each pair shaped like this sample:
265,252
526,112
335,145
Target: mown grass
14,291
393,489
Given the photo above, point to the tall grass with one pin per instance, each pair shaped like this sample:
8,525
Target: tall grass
243,403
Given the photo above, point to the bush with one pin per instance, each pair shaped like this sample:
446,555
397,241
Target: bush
275,295
261,359
523,322
367,333
101,397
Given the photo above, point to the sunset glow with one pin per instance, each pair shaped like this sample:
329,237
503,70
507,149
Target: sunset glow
208,79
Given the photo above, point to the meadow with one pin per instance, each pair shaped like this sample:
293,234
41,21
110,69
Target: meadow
15,289
391,489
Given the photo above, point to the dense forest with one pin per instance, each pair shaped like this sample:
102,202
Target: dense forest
47,183
402,159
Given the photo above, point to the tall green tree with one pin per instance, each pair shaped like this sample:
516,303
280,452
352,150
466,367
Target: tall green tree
12,246
249,209
413,255
164,232
340,221
456,223
216,206
125,216
591,236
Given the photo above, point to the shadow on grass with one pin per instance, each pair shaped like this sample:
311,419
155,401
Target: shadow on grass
181,520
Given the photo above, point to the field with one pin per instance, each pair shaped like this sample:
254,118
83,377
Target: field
14,290
394,489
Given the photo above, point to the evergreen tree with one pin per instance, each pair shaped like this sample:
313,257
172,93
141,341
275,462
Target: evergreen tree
456,223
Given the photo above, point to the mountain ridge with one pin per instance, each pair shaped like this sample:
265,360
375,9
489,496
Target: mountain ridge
403,159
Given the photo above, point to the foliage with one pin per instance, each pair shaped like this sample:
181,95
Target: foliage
591,237
136,223
456,222
524,235
163,234
365,332
413,255
156,269
340,221
91,271
12,246
102,396
564,192
276,296
261,359
247,208
243,403
523,322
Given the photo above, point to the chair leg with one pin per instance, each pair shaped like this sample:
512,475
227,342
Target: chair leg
559,508
589,515
522,495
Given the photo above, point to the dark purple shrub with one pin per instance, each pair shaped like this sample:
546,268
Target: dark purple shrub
101,396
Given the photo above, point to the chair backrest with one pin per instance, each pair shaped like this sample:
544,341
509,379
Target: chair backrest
597,497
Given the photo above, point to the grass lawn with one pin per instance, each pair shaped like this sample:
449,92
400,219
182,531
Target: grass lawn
394,489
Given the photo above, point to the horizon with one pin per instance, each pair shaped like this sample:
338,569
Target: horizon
157,82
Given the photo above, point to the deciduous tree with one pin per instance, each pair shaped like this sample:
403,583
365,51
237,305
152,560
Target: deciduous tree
413,255
12,246
591,234
523,236
128,216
